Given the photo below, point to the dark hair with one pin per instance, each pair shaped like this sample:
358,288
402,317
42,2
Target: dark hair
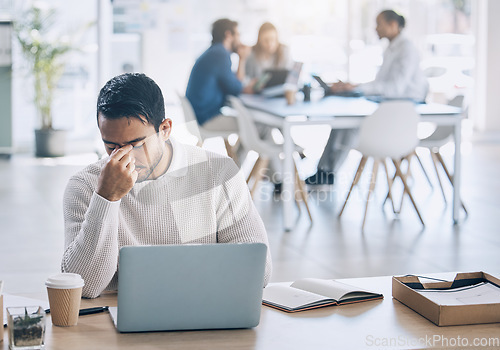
132,95
220,27
391,16
279,55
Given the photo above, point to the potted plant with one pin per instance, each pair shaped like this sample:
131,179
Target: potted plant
26,327
46,59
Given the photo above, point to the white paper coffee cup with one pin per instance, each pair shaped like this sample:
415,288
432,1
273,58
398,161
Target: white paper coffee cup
65,293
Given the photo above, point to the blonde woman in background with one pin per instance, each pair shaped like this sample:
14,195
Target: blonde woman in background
267,53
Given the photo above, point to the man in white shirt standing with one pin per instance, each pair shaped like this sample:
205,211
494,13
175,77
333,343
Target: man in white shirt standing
399,77
150,190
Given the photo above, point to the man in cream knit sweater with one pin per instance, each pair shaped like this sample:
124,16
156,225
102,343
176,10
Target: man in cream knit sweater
150,190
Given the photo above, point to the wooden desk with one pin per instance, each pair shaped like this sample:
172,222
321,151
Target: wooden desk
342,113
368,325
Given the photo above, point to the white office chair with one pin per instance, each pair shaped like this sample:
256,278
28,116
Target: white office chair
389,133
441,136
201,133
266,150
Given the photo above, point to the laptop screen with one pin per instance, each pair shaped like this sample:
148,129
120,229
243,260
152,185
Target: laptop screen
275,77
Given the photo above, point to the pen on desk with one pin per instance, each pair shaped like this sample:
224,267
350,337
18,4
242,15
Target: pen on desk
92,310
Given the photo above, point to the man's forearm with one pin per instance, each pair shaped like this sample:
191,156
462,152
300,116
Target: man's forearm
92,244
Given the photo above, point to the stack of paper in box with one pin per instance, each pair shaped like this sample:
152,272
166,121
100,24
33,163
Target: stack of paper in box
471,298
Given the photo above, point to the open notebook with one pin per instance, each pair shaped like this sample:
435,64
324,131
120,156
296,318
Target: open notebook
312,293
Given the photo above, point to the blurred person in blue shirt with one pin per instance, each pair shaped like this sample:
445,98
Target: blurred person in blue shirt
212,79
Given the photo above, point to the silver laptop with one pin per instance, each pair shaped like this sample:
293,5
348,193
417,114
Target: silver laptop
188,287
291,79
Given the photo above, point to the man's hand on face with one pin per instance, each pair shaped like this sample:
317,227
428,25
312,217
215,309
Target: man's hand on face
118,175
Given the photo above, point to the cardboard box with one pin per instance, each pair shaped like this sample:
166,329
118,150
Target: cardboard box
404,289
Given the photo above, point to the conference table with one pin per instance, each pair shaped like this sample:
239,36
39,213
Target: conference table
377,324
341,113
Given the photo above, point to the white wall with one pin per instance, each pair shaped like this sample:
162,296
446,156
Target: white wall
485,108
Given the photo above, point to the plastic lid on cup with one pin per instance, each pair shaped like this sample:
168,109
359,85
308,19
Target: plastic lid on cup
65,281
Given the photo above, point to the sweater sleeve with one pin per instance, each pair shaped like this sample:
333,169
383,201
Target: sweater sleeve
91,236
237,217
